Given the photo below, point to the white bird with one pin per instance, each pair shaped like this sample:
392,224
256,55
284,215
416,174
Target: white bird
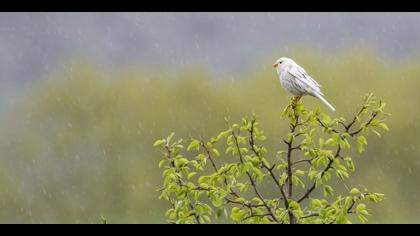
296,81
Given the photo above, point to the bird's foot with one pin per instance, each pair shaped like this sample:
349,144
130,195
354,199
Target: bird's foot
295,101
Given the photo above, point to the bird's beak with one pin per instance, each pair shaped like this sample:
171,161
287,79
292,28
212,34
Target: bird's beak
275,65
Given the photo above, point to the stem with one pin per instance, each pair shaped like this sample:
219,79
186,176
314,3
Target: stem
373,115
232,192
267,168
290,148
253,183
329,165
180,183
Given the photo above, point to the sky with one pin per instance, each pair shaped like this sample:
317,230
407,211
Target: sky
33,44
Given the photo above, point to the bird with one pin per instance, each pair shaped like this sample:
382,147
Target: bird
296,81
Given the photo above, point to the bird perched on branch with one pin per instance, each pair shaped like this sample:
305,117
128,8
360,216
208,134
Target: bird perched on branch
296,81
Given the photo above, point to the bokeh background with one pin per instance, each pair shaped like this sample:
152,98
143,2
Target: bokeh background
83,96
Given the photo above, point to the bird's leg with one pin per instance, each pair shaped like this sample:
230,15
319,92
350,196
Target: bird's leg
295,100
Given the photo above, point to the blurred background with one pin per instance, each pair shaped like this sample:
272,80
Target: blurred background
83,96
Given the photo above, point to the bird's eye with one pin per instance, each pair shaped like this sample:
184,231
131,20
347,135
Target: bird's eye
280,62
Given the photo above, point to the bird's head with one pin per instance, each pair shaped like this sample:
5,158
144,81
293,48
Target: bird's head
281,62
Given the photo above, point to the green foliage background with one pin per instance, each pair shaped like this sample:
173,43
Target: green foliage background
78,144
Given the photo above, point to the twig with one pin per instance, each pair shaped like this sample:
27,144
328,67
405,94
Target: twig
373,115
300,161
326,127
267,168
310,215
254,185
312,188
254,215
180,183
232,192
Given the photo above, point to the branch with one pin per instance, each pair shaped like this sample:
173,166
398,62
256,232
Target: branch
300,161
253,215
326,127
268,169
290,148
209,156
249,205
329,165
180,183
373,115
232,192
349,210
310,215
254,185
228,200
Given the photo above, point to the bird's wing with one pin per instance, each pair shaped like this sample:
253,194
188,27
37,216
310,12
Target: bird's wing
302,77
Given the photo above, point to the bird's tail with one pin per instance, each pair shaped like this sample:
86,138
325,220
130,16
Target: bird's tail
324,100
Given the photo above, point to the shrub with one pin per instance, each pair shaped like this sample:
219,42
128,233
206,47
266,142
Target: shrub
223,178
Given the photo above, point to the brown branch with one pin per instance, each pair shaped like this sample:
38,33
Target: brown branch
349,210
289,169
329,165
232,192
290,148
310,215
181,183
326,127
267,168
254,215
297,147
249,205
373,116
209,156
300,161
254,185
228,200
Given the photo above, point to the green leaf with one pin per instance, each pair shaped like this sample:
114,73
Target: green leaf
299,172
206,218
215,151
237,214
159,142
360,207
223,134
240,199
290,137
328,190
318,180
195,144
192,174
217,202
312,174
162,163
297,181
315,203
170,137
342,219
256,200
342,174
229,150
383,126
181,162
362,219
283,178
349,163
376,132
354,191
330,142
203,179
375,197
321,142
361,143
